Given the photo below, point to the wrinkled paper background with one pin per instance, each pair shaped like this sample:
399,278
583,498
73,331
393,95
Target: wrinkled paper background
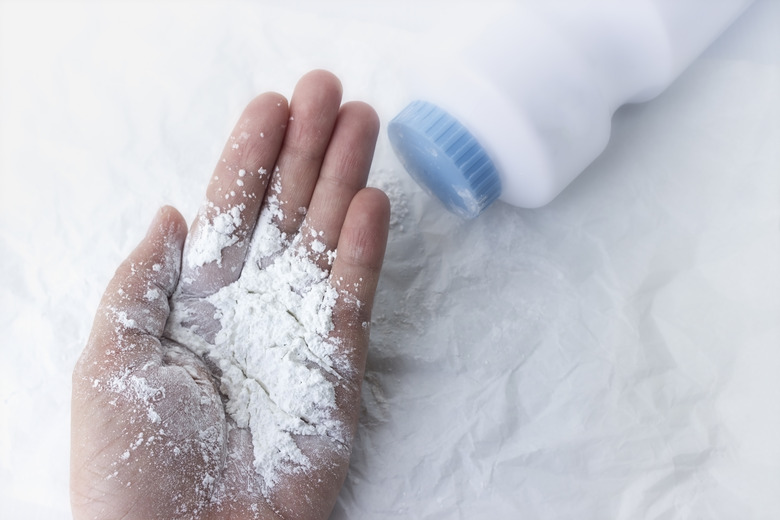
615,354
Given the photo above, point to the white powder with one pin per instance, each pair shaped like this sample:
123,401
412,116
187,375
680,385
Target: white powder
122,318
214,235
318,247
272,348
152,294
388,181
140,389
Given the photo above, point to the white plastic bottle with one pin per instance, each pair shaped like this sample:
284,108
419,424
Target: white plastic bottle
526,104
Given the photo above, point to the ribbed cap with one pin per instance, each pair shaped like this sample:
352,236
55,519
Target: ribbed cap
444,158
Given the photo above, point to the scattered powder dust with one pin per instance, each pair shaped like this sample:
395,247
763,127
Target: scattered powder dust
140,389
212,237
272,348
388,181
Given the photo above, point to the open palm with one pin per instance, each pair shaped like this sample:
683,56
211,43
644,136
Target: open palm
151,435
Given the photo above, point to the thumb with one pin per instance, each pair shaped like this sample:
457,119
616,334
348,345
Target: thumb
134,307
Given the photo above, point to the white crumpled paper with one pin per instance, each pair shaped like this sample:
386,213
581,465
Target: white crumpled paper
612,355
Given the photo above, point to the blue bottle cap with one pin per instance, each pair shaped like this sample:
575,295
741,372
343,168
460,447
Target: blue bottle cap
444,158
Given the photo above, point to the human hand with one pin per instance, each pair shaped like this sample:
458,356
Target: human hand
206,417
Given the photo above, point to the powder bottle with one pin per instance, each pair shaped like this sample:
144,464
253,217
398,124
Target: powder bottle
516,108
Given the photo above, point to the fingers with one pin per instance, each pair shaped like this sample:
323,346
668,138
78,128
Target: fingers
132,314
323,155
344,172
219,238
314,108
355,274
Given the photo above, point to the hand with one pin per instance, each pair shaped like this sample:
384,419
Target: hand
158,428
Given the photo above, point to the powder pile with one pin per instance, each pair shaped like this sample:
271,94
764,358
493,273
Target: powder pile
275,359
214,236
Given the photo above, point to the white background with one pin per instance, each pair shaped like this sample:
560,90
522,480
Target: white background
612,355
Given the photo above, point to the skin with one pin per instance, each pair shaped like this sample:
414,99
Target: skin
127,462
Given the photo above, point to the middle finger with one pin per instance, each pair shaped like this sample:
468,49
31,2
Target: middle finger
314,108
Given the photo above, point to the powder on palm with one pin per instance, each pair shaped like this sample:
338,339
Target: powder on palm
272,346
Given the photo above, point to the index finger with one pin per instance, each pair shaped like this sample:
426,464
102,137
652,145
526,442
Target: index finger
219,237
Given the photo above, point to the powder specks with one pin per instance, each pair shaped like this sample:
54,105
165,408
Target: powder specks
211,237
142,394
388,182
152,294
138,387
317,246
122,318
